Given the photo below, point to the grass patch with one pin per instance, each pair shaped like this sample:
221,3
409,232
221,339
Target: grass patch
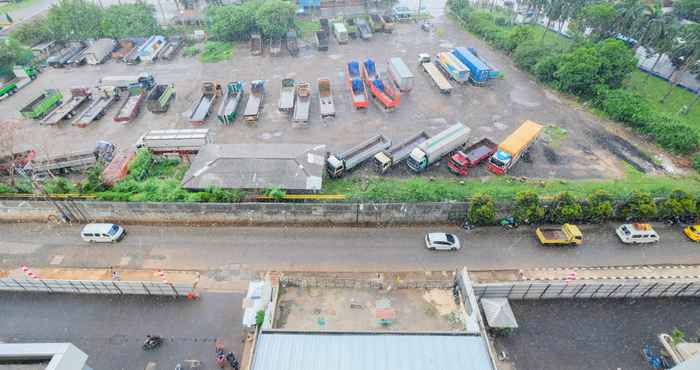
554,135
307,27
654,88
215,51
191,51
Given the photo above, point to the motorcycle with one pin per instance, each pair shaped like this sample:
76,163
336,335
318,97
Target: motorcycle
508,223
231,358
220,357
152,342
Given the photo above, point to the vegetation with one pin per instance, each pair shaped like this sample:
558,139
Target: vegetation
127,20
639,206
59,185
259,318
11,54
527,208
32,32
191,51
275,193
566,208
272,18
598,207
481,210
215,51
679,204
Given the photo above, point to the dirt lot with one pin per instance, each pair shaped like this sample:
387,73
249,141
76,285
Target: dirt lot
356,309
492,111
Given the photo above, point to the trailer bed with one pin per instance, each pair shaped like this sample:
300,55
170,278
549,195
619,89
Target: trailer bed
303,102
325,97
63,163
65,110
229,105
286,103
129,108
403,150
438,78
200,112
95,110
479,151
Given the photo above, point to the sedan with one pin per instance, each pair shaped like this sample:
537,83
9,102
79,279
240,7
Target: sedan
442,242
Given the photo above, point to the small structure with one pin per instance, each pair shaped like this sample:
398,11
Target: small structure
257,299
99,51
50,356
292,167
498,313
44,49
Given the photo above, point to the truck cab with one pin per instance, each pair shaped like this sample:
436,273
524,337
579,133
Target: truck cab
418,160
335,167
499,162
459,164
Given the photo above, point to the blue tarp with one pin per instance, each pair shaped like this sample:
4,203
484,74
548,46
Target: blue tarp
354,69
378,84
309,3
357,85
369,66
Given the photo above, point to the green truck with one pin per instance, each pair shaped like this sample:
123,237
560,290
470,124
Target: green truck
42,105
158,100
23,76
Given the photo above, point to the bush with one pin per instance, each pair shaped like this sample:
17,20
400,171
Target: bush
59,185
622,105
276,193
24,187
215,194
191,51
231,22
5,189
259,318
216,52
639,206
527,208
617,62
92,182
599,207
679,204
565,209
274,17
129,20
482,211
546,69
527,54
32,32
696,162
674,136
578,71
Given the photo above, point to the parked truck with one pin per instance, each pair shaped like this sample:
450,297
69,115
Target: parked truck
438,146
158,100
253,108
175,43
202,107
175,141
303,102
63,57
435,75
71,162
42,105
256,44
356,85
144,80
292,45
286,102
23,76
275,46
340,33
452,67
102,100
131,105
338,164
363,28
118,167
478,70
387,23
514,147
229,105
99,51
382,92
321,39
566,234
375,23
462,160
325,98
387,159
69,108
350,26
400,74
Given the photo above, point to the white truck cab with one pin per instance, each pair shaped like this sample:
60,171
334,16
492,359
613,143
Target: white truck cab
637,234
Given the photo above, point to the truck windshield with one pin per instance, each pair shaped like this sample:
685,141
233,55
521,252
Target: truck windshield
497,162
113,230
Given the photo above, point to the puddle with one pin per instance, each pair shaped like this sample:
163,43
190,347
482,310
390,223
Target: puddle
627,152
520,97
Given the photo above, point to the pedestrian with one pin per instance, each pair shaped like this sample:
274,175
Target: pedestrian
115,276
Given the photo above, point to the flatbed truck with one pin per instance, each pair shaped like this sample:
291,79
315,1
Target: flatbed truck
101,102
131,106
302,103
253,108
71,162
462,160
325,98
175,141
229,106
566,234
435,75
286,102
340,163
438,146
514,147
69,108
391,157
202,108
42,105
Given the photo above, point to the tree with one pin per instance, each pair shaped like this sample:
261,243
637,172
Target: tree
275,17
600,18
617,62
599,206
688,9
639,206
685,54
628,14
11,54
59,185
578,71
73,20
481,211
32,32
657,32
129,20
679,204
566,208
527,208
232,22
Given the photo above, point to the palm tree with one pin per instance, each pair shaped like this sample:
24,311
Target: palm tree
658,35
629,14
685,54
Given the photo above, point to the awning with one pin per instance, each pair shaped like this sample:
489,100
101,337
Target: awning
498,313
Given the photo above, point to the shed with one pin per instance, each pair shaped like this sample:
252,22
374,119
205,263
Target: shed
498,313
295,167
99,51
44,49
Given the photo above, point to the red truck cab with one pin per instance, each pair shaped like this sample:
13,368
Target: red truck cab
460,161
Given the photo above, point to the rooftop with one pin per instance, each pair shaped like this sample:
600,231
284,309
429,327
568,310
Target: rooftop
41,356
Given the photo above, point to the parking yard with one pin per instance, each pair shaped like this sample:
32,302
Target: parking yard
575,151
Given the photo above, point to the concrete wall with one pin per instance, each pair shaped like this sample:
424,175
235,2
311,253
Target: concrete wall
238,213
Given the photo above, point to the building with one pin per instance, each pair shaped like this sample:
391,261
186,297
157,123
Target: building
290,167
42,356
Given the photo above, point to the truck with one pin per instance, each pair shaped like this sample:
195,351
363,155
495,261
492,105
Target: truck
324,25
476,153
71,162
387,23
292,45
99,51
62,57
321,39
566,234
175,43
363,28
145,80
175,141
42,105
493,72
256,44
158,100
23,76
102,100
69,108
253,107
351,27
400,74
202,107
303,102
386,159
229,106
435,75
131,105
275,46
478,70
384,95
340,163
340,33
286,102
453,68
375,23
514,147
438,146
325,98
118,167
356,85
16,161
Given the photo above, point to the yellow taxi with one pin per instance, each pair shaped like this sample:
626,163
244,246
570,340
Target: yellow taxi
692,232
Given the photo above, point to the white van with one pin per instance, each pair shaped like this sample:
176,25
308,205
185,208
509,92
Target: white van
102,233
637,234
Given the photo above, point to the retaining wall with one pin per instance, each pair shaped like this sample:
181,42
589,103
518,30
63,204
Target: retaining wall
96,287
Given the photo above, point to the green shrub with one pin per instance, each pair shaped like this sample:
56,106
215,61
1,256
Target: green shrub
216,52
259,318
639,206
622,105
546,69
578,71
191,51
5,189
59,185
276,193
674,136
481,211
215,194
678,204
565,209
527,208
696,162
527,54
599,207
92,182
24,187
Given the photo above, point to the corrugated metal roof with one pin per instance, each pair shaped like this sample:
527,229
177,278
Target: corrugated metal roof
376,351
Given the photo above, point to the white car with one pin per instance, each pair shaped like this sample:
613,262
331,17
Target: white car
637,234
442,242
102,233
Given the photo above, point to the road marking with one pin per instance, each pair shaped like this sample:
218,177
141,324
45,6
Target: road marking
56,260
124,261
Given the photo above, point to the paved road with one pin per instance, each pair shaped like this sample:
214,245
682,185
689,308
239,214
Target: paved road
334,249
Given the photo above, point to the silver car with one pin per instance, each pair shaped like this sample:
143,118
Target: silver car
442,242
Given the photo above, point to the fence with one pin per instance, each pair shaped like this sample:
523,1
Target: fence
97,287
627,289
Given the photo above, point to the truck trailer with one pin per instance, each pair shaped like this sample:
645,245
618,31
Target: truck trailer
400,74
69,108
202,108
340,163
131,106
435,75
438,146
302,103
102,100
99,51
325,98
478,70
145,80
175,141
383,94
452,67
42,105
356,85
253,108
386,159
286,102
158,100
514,147
71,162
229,105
